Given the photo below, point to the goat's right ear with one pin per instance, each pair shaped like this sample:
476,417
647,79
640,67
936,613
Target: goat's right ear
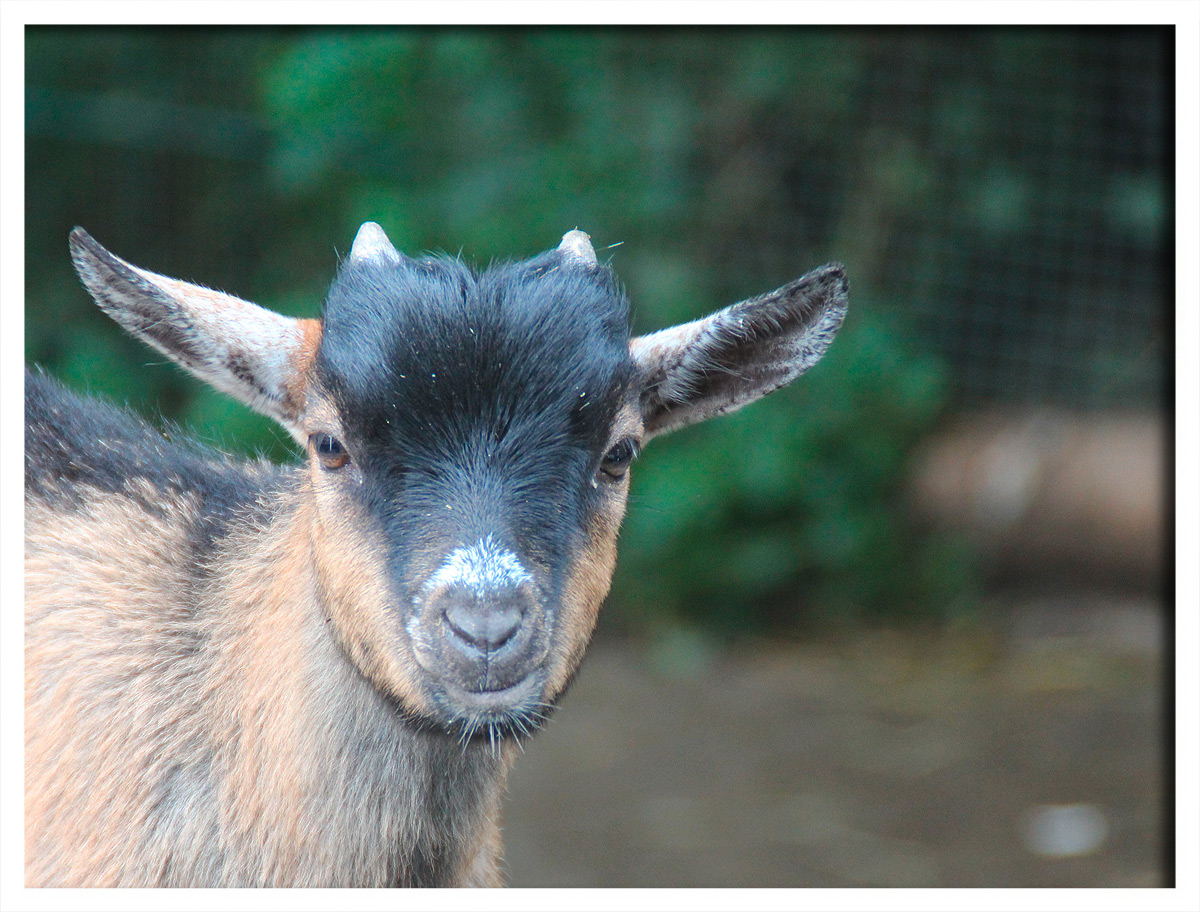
716,365
259,357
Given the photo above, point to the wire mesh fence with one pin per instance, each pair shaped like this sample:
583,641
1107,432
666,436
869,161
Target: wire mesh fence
1031,237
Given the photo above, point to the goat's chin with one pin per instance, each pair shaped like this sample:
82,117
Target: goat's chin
513,712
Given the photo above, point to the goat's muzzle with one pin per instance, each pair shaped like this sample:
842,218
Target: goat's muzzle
487,640
479,631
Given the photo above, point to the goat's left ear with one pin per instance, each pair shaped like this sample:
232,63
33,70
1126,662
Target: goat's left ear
709,367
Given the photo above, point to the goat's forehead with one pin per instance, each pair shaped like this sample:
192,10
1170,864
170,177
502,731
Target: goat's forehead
433,333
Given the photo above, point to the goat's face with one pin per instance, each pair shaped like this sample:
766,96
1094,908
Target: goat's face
468,438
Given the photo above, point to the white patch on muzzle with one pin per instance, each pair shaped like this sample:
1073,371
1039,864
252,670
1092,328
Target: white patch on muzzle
483,567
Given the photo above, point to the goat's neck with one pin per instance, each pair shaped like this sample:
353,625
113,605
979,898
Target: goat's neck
314,748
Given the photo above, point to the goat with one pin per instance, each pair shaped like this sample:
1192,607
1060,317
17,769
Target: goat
246,674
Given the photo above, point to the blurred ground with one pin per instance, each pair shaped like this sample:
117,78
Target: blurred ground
1022,752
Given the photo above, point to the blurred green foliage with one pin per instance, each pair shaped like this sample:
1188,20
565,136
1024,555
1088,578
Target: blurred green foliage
717,163
792,512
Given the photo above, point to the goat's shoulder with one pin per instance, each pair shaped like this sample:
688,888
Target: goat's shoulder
81,450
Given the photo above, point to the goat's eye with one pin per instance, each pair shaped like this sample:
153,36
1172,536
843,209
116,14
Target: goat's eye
616,461
329,450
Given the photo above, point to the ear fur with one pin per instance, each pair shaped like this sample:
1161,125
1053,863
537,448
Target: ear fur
258,356
716,365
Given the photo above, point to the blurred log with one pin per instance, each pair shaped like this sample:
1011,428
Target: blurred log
1053,492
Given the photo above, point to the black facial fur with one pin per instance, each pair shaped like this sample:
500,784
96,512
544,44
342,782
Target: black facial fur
450,380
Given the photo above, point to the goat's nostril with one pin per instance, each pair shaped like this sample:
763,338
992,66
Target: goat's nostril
484,626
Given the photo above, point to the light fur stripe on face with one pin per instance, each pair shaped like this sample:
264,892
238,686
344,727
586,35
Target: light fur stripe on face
483,567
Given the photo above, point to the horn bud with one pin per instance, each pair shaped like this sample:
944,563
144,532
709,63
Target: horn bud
371,244
576,248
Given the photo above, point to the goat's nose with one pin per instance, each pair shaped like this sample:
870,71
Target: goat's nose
482,604
485,624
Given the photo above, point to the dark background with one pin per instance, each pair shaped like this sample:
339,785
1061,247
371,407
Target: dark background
978,458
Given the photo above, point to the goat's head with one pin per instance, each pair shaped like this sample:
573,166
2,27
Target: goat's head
469,436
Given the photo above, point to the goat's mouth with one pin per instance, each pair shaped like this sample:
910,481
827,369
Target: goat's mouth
482,642
481,654
511,711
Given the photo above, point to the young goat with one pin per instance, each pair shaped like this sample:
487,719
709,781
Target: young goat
246,674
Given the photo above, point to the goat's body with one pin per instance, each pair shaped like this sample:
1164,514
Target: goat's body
240,674
262,755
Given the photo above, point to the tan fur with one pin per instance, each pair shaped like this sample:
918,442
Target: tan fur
591,572
295,387
253,752
61,691
587,585
353,578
